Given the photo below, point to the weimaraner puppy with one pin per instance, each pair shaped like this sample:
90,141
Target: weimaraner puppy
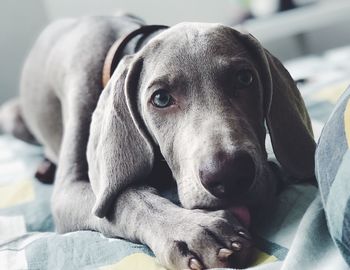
189,104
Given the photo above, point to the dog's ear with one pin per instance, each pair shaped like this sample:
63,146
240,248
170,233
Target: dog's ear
289,123
286,115
119,150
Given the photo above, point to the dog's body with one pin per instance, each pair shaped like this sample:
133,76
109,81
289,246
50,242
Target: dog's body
203,94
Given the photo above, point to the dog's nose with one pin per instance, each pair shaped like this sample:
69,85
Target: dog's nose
227,174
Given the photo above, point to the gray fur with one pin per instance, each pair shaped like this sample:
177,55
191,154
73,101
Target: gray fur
105,140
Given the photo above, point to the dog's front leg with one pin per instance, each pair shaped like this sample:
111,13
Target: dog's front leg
179,238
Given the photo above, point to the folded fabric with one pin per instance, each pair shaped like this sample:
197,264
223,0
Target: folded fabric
333,173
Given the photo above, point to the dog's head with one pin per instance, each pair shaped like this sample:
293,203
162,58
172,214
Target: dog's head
202,93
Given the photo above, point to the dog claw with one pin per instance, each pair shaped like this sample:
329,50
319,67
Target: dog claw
195,264
237,246
224,253
244,235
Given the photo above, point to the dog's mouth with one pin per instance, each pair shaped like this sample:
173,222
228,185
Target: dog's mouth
242,213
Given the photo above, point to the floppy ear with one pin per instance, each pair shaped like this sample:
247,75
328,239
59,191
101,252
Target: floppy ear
119,149
286,115
289,124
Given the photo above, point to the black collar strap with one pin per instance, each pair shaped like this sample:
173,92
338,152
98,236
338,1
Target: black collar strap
115,53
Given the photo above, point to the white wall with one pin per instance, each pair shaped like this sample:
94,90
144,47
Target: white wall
20,22
153,11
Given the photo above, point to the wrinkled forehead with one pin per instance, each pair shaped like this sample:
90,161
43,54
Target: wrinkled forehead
194,46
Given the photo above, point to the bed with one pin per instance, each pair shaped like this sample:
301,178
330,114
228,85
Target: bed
294,235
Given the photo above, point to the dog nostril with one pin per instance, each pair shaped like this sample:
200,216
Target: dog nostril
211,182
228,174
217,188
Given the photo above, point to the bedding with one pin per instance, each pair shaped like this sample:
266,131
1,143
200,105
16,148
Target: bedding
294,234
333,173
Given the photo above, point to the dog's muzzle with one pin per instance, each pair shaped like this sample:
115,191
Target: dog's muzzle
230,176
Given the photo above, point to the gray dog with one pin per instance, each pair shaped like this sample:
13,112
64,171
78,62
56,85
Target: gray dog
188,103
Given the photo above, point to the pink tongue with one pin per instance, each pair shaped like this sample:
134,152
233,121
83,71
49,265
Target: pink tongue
242,213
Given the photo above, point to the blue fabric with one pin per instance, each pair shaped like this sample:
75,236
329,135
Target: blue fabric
333,175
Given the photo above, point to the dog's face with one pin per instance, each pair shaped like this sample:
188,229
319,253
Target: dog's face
202,93
200,96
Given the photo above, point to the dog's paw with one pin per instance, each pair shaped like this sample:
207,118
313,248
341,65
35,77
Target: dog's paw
202,240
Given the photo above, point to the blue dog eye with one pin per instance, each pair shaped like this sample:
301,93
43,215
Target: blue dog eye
245,77
161,99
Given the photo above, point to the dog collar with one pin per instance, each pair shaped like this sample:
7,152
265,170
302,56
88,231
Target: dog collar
115,53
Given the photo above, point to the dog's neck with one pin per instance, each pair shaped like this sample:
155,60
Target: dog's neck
118,49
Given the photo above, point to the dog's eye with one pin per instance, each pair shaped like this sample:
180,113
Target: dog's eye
161,99
245,77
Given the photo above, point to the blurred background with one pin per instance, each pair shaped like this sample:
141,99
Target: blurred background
288,28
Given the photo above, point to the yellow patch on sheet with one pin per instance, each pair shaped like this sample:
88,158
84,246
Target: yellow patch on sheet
347,122
16,193
262,258
331,94
136,261
141,261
